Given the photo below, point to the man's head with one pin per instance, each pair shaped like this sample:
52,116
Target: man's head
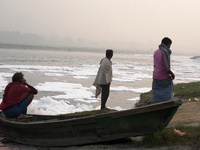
109,53
167,41
18,77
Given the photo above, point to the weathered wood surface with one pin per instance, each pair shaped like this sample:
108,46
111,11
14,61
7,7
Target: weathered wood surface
64,130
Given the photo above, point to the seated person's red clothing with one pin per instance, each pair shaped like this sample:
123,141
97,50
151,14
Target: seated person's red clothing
14,93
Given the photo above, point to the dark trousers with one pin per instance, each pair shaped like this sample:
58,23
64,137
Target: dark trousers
105,90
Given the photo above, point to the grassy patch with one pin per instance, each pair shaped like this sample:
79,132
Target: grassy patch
187,90
167,137
182,90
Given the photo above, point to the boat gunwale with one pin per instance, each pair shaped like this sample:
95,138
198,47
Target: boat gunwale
149,108
93,118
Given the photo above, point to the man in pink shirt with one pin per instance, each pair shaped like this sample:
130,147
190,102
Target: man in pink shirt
162,85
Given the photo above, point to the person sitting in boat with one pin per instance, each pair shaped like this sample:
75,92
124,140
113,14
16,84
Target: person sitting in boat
18,94
104,78
162,85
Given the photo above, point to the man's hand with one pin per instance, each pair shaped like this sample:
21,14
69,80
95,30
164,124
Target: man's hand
24,82
171,74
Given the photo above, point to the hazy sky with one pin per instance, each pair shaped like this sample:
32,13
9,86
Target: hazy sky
141,21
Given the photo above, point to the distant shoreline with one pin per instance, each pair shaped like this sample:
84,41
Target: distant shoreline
77,49
41,47
66,48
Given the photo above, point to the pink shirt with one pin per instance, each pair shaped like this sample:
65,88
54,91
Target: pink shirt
160,68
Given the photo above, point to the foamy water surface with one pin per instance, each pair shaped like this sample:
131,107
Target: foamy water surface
65,78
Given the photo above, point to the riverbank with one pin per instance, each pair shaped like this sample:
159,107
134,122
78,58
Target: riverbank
187,113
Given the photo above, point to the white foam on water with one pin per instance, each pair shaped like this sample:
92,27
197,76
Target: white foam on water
84,96
136,99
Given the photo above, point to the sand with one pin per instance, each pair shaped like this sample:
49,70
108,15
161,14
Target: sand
187,113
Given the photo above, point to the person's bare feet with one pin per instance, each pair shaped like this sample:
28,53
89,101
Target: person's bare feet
105,108
22,115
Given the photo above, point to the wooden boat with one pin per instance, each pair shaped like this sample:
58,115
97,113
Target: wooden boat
77,130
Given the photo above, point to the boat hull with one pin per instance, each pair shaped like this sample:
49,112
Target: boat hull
60,131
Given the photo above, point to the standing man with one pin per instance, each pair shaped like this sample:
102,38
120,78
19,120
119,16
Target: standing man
104,78
18,94
162,85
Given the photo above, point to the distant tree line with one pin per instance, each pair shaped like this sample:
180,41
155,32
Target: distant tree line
15,39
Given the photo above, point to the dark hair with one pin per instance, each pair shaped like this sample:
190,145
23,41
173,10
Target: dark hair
17,76
166,41
109,52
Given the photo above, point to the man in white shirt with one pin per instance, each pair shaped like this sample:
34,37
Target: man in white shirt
104,78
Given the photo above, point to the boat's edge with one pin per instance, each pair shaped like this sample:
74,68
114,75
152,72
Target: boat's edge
93,118
172,105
